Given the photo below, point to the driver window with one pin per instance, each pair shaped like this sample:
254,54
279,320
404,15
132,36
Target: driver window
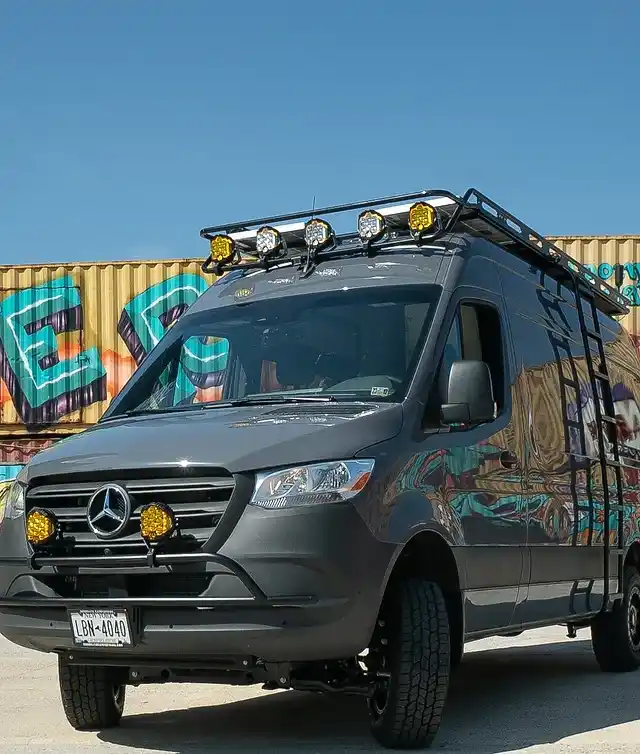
475,334
452,348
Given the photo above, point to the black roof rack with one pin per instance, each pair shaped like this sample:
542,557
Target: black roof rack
483,216
474,213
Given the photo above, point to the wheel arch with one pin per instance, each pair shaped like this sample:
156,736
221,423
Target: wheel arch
428,555
632,556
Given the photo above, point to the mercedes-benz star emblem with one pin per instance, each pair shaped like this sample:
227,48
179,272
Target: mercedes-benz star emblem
109,511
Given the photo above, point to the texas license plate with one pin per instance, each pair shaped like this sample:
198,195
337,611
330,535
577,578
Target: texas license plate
101,628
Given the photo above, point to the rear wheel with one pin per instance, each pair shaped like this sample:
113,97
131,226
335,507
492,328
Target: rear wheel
615,635
92,697
406,709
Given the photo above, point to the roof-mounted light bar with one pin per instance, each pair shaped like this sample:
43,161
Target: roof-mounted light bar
423,215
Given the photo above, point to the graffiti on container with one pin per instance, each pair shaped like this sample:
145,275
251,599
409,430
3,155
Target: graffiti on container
631,291
9,471
50,371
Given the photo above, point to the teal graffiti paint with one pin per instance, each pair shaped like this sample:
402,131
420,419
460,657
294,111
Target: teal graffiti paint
147,316
9,472
201,365
43,387
605,271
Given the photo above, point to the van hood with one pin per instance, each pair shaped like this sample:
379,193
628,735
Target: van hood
238,439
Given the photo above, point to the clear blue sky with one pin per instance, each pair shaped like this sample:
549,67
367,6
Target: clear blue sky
127,125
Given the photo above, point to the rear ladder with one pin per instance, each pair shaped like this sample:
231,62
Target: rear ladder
570,395
607,426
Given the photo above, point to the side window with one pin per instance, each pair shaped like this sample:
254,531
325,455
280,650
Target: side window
452,349
475,334
482,341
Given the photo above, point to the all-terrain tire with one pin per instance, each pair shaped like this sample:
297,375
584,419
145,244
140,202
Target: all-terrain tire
615,636
417,633
92,697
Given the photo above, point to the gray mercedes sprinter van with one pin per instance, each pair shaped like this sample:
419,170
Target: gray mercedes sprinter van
355,452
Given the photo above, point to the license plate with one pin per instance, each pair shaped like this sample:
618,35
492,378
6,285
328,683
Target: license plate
101,628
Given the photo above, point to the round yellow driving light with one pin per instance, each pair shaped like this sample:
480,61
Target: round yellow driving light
222,249
422,217
268,241
157,522
41,526
371,225
317,233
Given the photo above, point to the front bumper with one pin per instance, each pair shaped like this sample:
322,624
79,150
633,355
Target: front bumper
287,586
275,632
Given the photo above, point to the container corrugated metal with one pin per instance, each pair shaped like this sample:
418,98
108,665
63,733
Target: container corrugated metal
15,452
600,254
71,335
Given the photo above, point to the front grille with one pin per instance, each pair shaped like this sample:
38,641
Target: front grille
198,503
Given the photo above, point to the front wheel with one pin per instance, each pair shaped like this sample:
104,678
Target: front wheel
615,635
406,710
92,697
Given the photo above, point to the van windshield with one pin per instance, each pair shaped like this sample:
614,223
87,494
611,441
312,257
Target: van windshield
339,345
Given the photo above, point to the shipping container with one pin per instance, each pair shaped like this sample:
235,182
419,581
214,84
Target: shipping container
71,335
600,254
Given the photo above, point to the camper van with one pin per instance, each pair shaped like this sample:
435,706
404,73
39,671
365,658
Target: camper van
388,429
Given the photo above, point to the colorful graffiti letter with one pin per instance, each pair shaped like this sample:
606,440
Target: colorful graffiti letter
202,365
146,317
43,387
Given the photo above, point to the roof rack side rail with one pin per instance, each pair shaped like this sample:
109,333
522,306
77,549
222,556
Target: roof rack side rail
503,220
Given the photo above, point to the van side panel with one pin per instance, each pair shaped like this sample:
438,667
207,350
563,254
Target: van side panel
624,367
562,479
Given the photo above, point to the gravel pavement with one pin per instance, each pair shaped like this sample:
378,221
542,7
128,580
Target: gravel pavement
540,692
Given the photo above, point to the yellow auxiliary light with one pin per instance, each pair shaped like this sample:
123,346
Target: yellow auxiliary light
371,225
157,522
41,525
268,241
317,233
422,217
222,249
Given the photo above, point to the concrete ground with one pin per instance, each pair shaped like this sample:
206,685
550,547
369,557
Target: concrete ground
540,692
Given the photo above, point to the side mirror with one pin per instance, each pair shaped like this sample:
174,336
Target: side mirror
468,394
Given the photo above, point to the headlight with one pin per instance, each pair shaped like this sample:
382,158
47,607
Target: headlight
330,482
12,506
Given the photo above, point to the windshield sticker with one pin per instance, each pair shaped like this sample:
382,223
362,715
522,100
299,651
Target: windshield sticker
380,392
242,293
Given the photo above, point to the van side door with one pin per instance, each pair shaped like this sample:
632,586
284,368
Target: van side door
561,477
483,472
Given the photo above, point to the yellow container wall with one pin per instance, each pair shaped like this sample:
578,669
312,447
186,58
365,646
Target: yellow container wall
71,336
600,254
